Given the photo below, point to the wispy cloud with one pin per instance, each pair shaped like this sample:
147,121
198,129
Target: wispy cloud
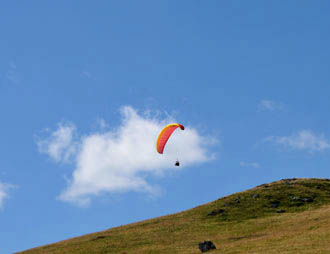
60,144
302,140
4,192
86,74
268,105
12,74
120,160
249,164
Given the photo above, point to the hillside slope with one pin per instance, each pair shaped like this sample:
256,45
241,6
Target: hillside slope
288,216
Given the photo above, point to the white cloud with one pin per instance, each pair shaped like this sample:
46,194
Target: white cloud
102,123
120,160
302,140
270,105
4,190
86,74
60,145
250,164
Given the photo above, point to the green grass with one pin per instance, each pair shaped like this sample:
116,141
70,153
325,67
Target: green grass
249,223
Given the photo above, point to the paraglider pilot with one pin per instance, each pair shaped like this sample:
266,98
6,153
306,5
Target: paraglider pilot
164,135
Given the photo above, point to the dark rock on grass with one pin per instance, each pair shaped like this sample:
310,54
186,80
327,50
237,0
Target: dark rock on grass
289,179
269,197
238,200
281,211
318,187
206,246
263,185
308,200
275,203
255,196
295,198
98,237
215,212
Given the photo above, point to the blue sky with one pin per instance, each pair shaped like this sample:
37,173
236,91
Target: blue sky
249,80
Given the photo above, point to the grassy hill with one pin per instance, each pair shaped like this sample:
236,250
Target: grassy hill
287,216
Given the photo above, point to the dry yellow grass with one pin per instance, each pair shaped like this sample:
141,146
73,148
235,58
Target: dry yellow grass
304,230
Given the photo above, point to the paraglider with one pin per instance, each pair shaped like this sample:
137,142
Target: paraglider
164,135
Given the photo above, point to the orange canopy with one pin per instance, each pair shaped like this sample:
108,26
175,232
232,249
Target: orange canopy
165,134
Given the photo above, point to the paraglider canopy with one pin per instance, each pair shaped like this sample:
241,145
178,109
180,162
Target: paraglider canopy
165,134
